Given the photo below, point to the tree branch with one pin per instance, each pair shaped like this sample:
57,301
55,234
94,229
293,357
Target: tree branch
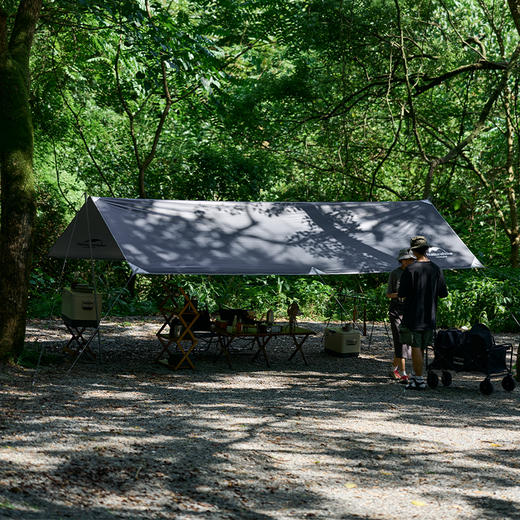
408,85
126,108
332,169
470,67
514,8
484,114
494,201
158,130
387,154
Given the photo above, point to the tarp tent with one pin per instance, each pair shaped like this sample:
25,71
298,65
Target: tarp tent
291,238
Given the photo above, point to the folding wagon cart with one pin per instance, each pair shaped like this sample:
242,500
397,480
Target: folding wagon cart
471,351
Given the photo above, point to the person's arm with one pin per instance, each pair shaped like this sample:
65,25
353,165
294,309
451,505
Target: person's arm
442,289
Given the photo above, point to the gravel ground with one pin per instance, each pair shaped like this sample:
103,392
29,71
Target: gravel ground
129,438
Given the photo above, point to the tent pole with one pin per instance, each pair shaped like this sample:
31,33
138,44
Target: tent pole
93,281
60,281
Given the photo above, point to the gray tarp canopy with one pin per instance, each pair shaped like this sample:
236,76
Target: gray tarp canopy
293,238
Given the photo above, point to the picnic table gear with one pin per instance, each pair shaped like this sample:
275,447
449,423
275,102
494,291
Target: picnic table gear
261,338
171,237
473,350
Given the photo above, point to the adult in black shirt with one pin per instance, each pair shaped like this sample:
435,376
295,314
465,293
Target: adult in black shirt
422,283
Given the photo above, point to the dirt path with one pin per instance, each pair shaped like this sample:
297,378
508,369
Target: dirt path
335,440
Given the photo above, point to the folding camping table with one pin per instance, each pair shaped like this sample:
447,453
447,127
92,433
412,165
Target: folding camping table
299,335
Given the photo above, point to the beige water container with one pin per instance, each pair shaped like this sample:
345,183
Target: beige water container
341,342
77,305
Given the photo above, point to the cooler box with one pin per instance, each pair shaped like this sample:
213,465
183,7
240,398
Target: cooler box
343,343
77,306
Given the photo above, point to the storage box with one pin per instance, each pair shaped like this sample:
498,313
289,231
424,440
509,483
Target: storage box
78,307
343,343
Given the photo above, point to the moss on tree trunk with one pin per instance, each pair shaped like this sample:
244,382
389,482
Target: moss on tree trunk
16,174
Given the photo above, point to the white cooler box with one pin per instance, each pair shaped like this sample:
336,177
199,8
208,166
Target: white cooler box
343,343
77,306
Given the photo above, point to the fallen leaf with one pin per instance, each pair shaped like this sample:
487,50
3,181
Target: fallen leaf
418,503
350,485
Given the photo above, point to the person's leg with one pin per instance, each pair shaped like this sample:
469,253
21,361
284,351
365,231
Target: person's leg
400,349
417,361
395,321
399,362
393,318
421,339
417,382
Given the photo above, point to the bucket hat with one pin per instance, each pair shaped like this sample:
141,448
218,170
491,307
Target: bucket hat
418,241
404,254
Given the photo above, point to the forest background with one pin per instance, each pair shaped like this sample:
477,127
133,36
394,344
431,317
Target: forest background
321,100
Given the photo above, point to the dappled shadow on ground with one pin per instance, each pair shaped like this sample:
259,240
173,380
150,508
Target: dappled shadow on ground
335,439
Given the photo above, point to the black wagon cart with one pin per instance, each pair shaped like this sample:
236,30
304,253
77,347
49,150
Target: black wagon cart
473,350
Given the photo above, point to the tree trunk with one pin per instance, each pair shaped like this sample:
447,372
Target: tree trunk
16,175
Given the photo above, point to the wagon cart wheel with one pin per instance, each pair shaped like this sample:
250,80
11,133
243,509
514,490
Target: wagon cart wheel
486,387
446,378
508,383
432,379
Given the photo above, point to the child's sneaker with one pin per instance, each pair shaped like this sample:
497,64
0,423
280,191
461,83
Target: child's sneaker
394,374
404,379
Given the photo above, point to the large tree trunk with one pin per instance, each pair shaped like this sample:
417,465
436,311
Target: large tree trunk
16,175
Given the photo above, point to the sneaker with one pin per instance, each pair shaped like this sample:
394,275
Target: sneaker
416,385
404,380
394,374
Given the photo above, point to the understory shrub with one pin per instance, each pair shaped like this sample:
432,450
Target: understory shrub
489,296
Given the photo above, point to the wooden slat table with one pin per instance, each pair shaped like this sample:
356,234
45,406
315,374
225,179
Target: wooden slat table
299,335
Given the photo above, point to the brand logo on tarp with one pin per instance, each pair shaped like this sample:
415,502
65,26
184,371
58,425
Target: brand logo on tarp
439,252
93,243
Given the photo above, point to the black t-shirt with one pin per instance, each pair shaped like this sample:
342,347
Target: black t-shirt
422,283
393,286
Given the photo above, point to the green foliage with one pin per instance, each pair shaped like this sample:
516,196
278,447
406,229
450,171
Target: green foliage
274,101
487,296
